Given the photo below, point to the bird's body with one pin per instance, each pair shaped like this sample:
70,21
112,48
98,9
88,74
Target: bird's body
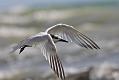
46,40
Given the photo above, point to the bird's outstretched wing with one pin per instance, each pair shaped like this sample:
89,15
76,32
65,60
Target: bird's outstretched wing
70,34
30,41
48,49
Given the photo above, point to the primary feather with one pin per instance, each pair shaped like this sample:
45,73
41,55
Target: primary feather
70,34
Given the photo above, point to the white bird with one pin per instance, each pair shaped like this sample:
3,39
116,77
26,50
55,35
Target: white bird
47,40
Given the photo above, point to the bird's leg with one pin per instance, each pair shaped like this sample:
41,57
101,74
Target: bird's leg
22,48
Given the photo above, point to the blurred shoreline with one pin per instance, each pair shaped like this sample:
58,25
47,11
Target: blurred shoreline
100,22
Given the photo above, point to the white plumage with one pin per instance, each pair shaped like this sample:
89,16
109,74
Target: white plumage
47,40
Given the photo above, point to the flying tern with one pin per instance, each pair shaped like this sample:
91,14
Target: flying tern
46,40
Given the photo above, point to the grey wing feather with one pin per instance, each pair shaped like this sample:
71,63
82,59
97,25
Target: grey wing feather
50,54
49,51
70,34
33,40
18,46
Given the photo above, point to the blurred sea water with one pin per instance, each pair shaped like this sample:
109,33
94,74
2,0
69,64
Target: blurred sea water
99,23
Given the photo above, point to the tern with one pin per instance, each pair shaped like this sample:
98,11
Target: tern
46,40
